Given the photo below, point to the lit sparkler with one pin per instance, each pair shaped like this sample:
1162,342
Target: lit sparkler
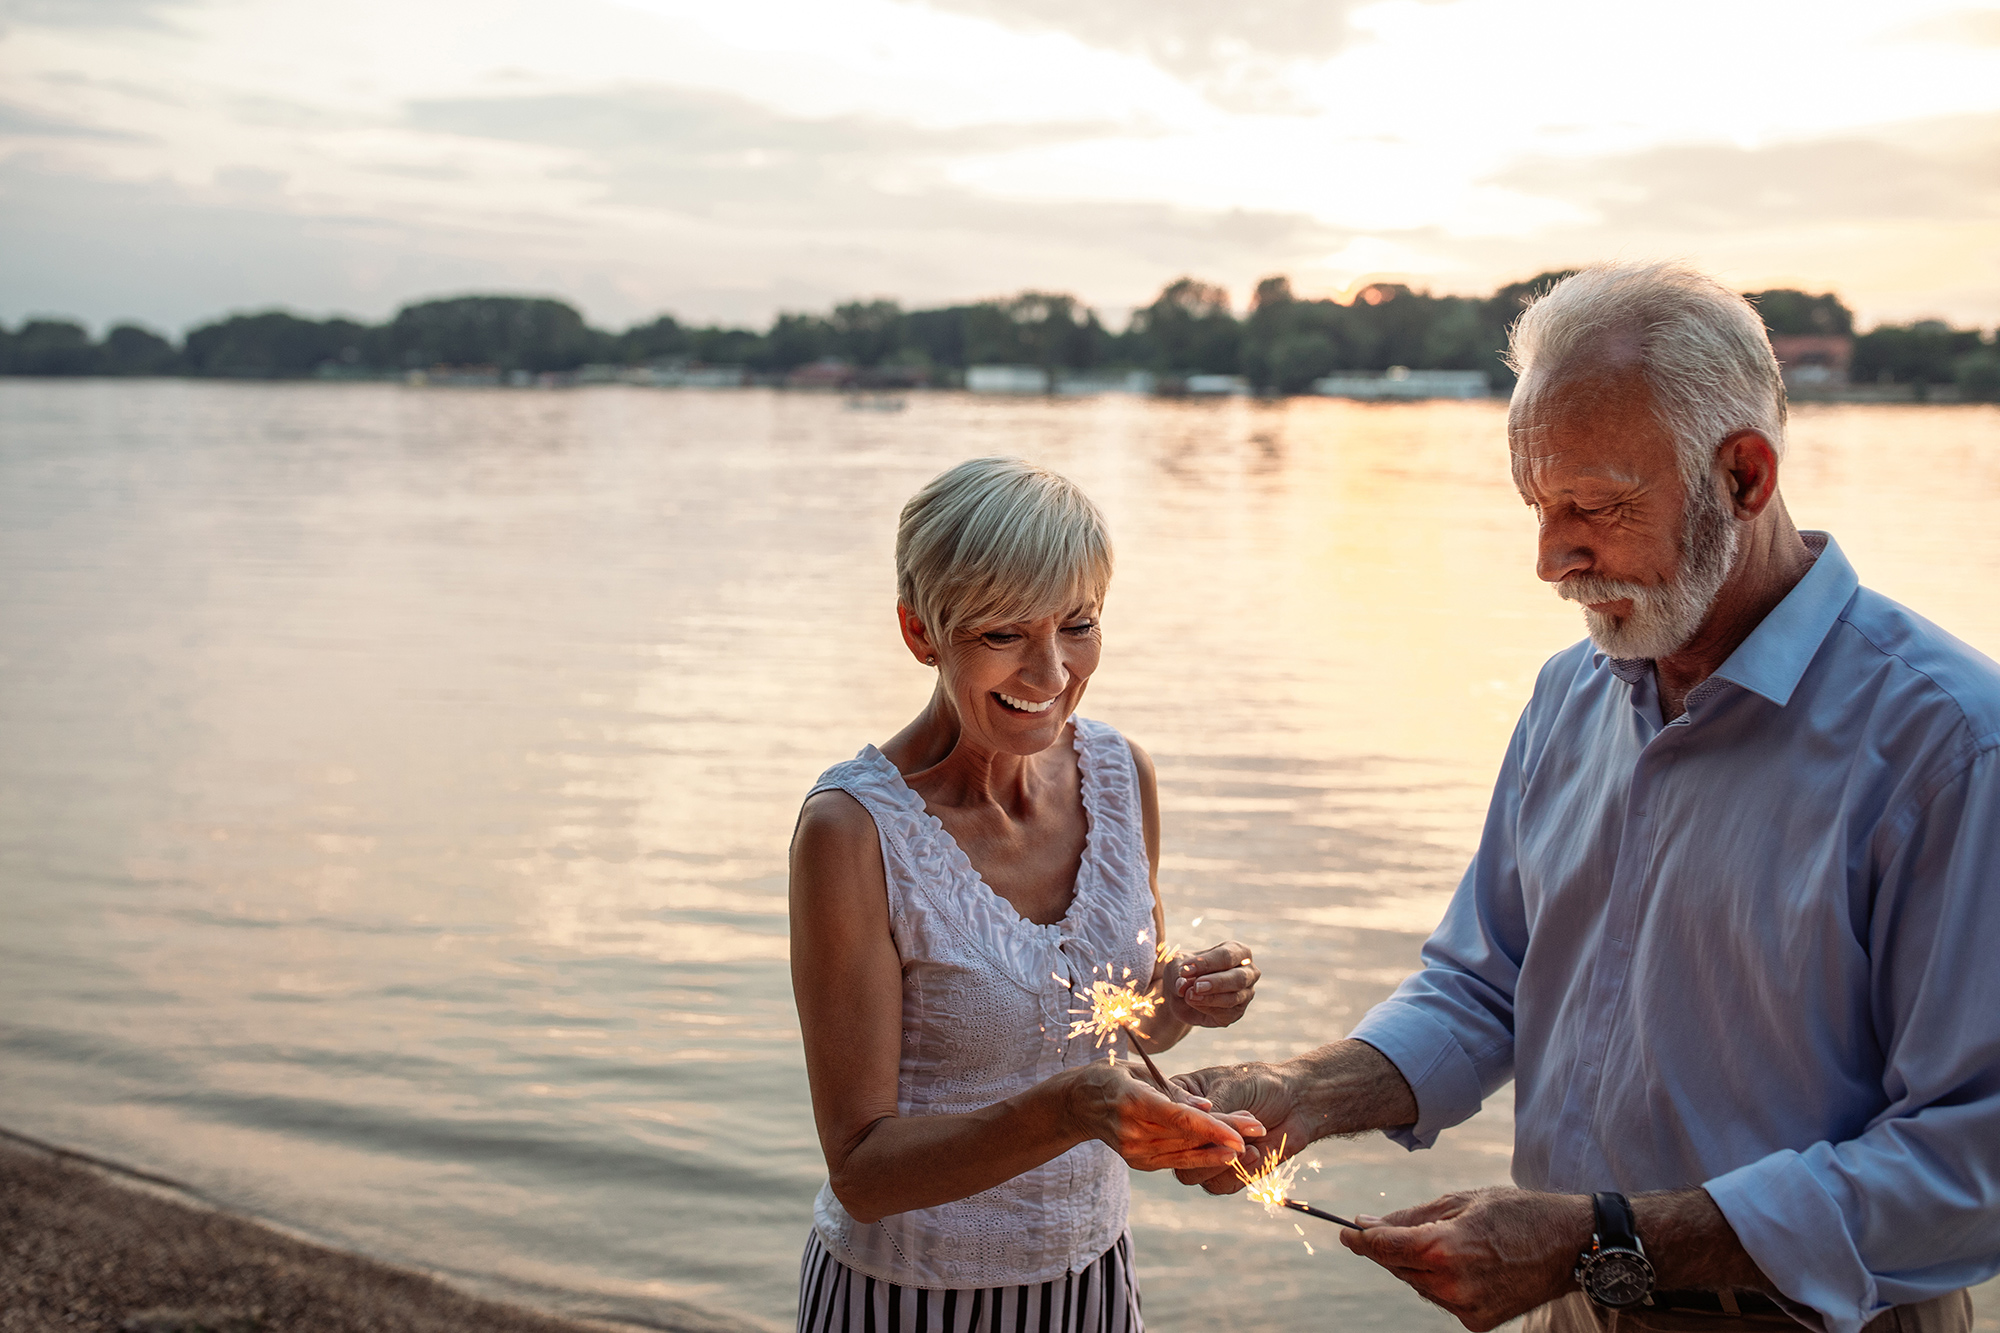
1271,1186
1112,1009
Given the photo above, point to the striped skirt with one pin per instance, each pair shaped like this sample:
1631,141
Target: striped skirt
1103,1298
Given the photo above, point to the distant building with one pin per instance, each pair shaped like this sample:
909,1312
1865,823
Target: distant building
684,375
1813,358
891,377
456,377
1403,383
1218,386
1006,379
1078,383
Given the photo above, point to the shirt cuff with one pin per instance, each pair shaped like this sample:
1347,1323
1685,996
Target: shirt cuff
1431,1061
1795,1231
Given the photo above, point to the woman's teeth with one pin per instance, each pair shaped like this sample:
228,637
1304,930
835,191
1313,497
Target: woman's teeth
1025,705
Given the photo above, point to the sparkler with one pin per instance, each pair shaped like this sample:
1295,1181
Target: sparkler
1271,1185
1113,1009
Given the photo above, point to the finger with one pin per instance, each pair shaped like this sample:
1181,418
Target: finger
1437,1210
1201,1175
1391,1246
1226,981
1183,1124
1221,958
1223,1002
1246,1124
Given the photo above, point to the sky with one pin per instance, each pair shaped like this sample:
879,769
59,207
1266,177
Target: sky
173,160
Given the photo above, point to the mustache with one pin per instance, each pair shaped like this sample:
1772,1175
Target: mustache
1590,588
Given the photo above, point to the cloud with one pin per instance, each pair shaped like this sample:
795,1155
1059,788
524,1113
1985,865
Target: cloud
22,123
676,123
68,245
1967,27
89,13
707,155
1190,37
1942,172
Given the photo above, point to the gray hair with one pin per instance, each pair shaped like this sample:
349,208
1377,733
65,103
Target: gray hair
1701,347
996,540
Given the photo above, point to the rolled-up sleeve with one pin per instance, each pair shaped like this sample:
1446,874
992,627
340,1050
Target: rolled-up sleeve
1909,1208
1449,1028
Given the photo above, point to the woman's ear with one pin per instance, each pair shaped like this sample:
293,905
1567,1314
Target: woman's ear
916,636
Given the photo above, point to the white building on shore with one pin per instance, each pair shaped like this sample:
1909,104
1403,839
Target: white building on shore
1402,382
1006,379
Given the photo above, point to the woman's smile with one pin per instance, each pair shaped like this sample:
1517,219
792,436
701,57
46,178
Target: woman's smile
1013,704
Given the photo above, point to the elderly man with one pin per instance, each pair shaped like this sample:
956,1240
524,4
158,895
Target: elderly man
1733,927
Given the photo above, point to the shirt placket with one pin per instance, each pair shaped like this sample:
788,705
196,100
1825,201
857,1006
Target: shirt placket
1612,968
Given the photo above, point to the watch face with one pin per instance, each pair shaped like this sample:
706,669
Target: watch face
1619,1277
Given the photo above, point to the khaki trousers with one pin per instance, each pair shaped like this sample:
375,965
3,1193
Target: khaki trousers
1577,1313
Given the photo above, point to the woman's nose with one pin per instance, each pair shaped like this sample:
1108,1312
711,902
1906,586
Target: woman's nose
1045,670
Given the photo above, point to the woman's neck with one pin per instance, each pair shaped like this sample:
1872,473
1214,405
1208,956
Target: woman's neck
942,765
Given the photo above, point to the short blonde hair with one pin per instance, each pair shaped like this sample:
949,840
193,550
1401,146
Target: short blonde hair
997,540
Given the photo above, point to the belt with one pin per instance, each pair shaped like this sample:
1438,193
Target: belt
1717,1302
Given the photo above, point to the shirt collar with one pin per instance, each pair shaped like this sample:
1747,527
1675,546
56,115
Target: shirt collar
1774,658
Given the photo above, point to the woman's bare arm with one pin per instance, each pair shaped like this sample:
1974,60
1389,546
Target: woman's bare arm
1207,989
848,981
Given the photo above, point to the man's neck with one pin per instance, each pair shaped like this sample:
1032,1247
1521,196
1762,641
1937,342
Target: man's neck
1776,559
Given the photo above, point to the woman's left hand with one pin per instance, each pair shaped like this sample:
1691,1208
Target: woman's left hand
1211,989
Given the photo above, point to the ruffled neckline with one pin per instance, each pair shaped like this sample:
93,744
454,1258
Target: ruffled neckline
1093,917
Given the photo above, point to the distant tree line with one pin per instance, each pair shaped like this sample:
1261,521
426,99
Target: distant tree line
1282,343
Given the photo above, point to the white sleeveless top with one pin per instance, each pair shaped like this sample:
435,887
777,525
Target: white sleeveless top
985,1017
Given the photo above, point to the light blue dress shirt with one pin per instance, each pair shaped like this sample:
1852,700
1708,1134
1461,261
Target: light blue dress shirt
1755,949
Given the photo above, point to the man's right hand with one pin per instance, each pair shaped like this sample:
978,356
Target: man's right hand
1347,1087
1266,1093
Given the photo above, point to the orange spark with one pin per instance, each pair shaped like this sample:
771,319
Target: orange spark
1271,1183
1113,1009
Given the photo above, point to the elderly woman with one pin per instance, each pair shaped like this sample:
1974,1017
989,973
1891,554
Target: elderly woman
953,894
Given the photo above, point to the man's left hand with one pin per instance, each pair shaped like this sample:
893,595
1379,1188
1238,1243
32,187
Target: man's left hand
1486,1256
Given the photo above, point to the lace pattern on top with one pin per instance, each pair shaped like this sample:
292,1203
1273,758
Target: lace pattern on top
986,1001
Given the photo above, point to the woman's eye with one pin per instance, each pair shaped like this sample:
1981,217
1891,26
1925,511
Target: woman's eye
1080,630
999,640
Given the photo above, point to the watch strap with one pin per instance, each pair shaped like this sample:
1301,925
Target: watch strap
1617,1228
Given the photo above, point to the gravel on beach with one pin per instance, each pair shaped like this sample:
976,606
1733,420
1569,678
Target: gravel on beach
84,1253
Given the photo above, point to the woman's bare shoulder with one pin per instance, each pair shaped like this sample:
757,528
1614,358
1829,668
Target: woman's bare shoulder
834,820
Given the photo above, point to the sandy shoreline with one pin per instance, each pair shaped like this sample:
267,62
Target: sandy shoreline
96,1248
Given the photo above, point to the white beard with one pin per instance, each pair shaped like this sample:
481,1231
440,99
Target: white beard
1664,616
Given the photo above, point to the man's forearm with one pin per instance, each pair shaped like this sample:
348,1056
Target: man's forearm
1349,1087
1692,1246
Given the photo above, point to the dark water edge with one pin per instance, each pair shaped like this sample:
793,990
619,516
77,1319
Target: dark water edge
97,1240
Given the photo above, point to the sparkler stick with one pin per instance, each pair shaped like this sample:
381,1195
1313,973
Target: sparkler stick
1151,1068
1302,1206
1271,1185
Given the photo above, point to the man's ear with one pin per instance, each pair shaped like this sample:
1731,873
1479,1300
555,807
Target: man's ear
916,636
1750,467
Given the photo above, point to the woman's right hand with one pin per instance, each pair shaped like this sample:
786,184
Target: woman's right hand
1118,1106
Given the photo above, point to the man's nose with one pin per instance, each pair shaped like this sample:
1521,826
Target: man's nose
1559,552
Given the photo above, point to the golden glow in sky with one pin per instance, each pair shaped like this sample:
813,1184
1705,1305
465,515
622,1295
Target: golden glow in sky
169,159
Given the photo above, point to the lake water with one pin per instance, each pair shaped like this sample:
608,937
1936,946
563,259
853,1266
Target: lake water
395,783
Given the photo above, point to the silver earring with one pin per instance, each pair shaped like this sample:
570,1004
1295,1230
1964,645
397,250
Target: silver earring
931,660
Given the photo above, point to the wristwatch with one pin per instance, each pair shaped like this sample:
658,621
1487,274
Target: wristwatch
1615,1271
